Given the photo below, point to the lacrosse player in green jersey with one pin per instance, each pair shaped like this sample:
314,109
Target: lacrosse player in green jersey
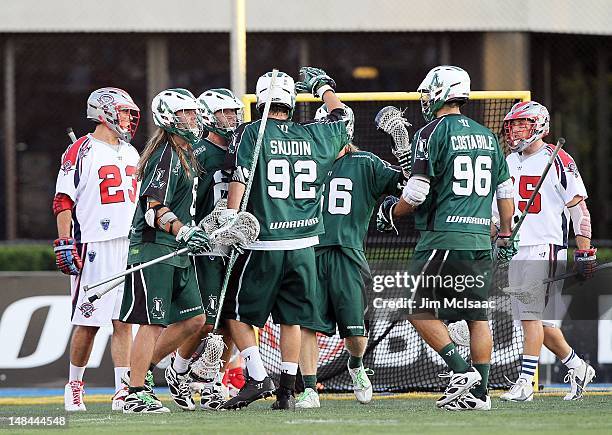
457,166
356,182
165,294
212,186
277,275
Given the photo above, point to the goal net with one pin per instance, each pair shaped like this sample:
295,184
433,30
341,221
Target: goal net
400,359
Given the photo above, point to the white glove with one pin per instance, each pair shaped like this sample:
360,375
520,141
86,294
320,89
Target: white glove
416,190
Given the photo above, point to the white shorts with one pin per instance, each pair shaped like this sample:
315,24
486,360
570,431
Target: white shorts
100,260
532,264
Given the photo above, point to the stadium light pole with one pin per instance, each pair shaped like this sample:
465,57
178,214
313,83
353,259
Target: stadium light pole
238,48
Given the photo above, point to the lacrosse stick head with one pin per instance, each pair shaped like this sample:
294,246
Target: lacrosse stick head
391,120
210,222
241,233
459,333
205,368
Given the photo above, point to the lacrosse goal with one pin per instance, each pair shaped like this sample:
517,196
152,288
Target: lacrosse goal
400,359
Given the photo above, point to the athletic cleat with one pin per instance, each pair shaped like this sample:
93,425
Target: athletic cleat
149,384
309,399
521,391
142,402
459,384
251,391
179,389
362,387
73,396
579,379
469,402
119,399
284,400
212,396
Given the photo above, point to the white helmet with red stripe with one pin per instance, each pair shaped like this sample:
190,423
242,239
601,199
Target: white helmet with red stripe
538,128
104,106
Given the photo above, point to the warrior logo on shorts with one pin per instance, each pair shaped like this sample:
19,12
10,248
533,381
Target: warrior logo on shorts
91,255
157,311
87,309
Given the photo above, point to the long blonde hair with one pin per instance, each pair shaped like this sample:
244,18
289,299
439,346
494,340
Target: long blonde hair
186,157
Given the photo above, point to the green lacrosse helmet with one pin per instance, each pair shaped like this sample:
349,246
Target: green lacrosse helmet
443,84
166,107
220,100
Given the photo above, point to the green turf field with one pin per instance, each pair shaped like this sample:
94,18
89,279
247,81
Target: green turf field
545,415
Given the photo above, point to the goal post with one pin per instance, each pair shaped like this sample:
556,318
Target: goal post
401,360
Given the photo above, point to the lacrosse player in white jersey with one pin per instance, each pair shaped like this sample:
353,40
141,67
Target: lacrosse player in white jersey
543,245
95,198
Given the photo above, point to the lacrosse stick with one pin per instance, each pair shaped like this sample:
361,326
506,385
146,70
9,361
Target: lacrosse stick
524,293
107,288
133,269
459,333
391,120
210,360
71,134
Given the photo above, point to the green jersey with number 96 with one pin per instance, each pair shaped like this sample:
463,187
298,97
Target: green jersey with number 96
465,165
355,184
287,184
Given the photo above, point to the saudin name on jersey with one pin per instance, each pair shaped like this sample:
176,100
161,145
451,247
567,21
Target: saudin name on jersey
465,164
292,167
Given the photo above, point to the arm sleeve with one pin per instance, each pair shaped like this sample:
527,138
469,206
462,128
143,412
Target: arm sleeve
425,149
570,181
503,173
73,169
331,129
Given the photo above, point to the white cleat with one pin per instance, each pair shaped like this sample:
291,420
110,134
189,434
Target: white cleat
309,399
469,402
459,384
143,402
178,384
119,399
362,387
73,396
579,379
521,391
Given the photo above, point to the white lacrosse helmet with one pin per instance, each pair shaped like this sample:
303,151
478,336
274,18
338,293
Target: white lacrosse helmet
217,101
540,124
104,105
283,92
168,104
349,118
441,85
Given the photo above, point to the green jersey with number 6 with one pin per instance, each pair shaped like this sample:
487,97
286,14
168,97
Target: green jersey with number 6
213,183
465,165
354,186
287,185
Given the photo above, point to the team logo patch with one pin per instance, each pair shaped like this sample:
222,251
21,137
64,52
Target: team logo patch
212,304
66,166
91,255
84,149
158,182
422,152
105,223
87,309
158,309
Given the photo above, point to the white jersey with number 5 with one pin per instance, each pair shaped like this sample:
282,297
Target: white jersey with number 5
101,180
547,221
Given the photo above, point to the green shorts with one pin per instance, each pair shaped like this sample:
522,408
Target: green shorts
210,272
454,285
160,294
281,283
343,275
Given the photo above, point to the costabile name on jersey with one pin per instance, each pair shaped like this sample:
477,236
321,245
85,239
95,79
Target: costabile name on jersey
472,142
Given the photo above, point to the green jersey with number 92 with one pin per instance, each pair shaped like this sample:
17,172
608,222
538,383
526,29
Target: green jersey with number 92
287,184
465,165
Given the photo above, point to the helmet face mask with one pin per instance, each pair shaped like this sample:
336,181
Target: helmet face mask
227,109
526,123
178,112
114,108
349,119
283,93
443,84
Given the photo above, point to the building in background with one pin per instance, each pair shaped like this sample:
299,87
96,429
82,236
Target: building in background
54,53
